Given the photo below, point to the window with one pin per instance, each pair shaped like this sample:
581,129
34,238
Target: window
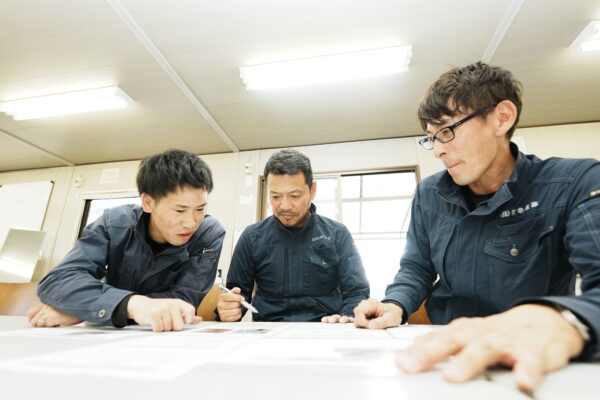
376,209
95,207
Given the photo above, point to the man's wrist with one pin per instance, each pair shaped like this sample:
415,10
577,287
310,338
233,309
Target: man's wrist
133,303
574,321
119,317
404,317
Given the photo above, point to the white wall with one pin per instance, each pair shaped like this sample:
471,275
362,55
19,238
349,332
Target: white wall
579,140
234,201
54,213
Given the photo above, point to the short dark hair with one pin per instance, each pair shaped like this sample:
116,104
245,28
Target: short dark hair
467,89
289,162
164,173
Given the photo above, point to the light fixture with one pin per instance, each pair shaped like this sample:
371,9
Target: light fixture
589,38
66,103
329,68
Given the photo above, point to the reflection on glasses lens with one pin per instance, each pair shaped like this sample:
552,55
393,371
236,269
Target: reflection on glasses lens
445,135
427,143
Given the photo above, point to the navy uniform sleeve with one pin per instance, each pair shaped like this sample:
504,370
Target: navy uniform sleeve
582,241
353,282
196,281
74,286
242,268
413,282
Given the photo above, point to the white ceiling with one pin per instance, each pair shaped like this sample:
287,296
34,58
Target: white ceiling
178,60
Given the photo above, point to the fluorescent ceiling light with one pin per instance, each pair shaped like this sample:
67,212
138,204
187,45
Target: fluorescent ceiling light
588,39
331,68
66,103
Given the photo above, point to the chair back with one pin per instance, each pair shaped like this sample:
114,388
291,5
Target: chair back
18,298
419,316
206,310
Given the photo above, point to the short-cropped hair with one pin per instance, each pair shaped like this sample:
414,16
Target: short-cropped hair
168,172
289,162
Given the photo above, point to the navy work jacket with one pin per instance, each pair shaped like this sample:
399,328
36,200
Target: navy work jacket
112,260
300,274
525,244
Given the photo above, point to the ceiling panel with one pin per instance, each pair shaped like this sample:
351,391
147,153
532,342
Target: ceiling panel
71,44
335,112
122,135
560,85
16,155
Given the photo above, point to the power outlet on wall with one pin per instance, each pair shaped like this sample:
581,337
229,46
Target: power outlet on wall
78,181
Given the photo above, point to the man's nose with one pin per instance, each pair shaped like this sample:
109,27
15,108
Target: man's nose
438,149
285,203
189,221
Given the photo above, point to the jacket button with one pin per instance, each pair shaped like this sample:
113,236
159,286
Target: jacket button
514,252
101,313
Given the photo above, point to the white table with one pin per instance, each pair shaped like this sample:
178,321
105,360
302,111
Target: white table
248,361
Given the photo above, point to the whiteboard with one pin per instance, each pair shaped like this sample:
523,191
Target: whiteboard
23,206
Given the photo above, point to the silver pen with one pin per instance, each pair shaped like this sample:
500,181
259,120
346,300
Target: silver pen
244,303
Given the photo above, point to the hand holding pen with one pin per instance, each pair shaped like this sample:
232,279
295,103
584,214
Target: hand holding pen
229,304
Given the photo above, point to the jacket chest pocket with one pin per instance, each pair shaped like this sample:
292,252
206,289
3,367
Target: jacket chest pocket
520,264
323,270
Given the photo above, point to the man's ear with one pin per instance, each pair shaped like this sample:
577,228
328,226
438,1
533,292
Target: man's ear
313,190
506,115
147,202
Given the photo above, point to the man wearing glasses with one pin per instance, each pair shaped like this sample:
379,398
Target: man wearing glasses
499,235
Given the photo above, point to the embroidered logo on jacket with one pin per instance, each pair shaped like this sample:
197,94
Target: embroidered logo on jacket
323,236
520,210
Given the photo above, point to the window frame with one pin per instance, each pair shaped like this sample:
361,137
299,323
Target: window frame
88,197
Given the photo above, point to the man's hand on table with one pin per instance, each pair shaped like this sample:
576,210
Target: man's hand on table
44,316
531,339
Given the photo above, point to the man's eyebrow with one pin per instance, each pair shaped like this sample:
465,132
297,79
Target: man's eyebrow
438,123
292,191
186,206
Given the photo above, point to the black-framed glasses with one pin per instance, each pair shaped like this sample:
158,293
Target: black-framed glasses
446,134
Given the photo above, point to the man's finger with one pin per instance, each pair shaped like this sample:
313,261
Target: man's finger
231,315
188,317
429,350
363,312
385,321
187,313
528,370
156,323
230,305
33,311
231,300
177,320
472,360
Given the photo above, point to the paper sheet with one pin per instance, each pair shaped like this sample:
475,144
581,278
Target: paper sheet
159,356
142,354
